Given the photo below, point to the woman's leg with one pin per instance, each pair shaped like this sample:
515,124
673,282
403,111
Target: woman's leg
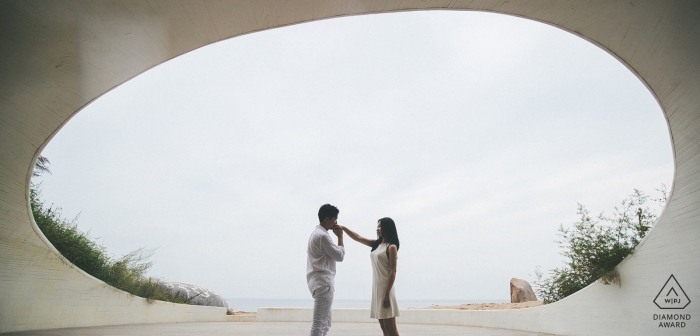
389,327
384,331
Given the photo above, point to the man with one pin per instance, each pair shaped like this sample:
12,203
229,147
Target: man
322,254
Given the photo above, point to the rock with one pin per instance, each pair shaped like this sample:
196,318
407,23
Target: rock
520,291
193,294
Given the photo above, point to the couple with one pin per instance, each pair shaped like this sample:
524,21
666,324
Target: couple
322,254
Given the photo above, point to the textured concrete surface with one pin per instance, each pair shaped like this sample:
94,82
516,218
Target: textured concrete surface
56,56
269,328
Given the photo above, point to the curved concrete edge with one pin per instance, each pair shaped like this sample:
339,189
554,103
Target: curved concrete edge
119,310
62,296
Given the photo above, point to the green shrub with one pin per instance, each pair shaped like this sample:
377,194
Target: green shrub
125,273
595,246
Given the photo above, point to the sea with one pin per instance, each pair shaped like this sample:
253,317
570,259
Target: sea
252,304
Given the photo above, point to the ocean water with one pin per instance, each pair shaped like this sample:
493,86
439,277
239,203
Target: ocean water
252,304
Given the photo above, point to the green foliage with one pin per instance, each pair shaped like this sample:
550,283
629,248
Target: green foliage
41,166
126,273
594,246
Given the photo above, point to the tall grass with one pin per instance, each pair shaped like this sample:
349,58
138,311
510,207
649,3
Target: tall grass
595,245
126,273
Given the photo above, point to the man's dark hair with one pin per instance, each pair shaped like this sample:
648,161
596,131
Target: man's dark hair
327,210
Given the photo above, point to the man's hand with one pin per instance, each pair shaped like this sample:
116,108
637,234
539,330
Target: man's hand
338,230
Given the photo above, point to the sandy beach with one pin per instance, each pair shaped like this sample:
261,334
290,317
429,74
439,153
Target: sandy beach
487,306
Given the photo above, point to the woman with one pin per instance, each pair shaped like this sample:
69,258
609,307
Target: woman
384,255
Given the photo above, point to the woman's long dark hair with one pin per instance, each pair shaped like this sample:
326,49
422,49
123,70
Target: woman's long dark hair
388,232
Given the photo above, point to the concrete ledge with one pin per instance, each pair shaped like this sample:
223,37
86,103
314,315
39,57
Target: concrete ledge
242,318
305,315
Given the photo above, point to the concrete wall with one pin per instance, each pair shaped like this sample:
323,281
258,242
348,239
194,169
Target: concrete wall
57,56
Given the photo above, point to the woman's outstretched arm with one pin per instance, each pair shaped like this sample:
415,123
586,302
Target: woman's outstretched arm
356,237
393,256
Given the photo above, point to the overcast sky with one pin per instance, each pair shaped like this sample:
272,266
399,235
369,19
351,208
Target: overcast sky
477,133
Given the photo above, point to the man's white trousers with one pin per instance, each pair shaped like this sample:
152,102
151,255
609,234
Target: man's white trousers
323,300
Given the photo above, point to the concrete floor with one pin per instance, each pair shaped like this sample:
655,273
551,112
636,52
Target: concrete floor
268,328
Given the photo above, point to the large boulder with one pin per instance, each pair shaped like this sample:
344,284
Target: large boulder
193,294
520,291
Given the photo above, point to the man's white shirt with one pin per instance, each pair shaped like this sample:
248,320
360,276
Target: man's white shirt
322,254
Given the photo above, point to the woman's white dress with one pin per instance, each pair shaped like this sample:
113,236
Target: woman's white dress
380,276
